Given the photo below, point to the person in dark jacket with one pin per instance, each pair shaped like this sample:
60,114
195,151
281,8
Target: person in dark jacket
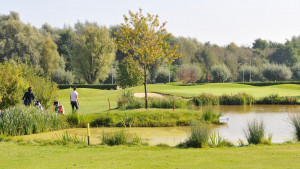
28,96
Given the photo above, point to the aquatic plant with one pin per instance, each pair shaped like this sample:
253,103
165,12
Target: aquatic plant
296,123
255,133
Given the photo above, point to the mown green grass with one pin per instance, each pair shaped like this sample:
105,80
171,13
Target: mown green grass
223,88
96,101
28,156
90,100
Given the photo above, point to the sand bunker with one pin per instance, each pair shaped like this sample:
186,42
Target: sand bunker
148,94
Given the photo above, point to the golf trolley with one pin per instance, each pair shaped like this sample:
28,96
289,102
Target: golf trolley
59,109
36,104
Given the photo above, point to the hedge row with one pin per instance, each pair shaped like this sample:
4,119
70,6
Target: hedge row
96,86
269,83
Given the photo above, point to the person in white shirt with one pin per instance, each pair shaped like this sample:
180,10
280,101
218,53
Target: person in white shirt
74,99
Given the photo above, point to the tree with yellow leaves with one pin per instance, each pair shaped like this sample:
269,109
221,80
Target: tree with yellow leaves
145,40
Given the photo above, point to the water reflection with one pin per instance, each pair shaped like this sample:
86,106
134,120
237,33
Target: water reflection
275,117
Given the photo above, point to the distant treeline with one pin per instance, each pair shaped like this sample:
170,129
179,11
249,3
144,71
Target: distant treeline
61,54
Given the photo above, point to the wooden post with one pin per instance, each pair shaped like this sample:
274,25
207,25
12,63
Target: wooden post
108,103
88,133
173,105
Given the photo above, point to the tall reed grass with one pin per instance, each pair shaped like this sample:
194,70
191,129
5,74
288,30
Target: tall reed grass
206,99
146,118
296,123
21,120
215,140
255,133
237,99
120,138
275,99
199,135
211,116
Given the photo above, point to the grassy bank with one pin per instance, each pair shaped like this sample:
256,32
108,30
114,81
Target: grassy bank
95,100
146,118
29,156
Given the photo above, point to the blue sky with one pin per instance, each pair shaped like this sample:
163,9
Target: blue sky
217,21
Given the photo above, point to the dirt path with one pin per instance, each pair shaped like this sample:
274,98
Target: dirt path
148,94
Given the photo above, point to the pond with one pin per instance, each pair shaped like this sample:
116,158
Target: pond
275,117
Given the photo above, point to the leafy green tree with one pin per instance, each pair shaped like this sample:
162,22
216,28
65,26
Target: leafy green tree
296,71
19,41
275,72
65,45
93,54
284,54
129,73
260,44
144,39
49,56
220,73
60,76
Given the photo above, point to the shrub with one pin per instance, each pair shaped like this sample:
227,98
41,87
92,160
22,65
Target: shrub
255,133
162,75
220,73
127,101
209,99
274,72
167,103
92,86
199,135
23,120
238,99
211,116
61,76
120,138
215,140
129,73
189,73
296,123
275,99
206,99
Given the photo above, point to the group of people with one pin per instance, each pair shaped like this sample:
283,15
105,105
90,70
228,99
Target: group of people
29,97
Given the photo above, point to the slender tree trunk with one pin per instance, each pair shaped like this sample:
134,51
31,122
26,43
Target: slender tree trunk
145,85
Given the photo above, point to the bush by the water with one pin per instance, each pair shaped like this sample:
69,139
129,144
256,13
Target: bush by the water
206,99
120,138
146,118
199,135
275,99
210,116
255,133
241,99
167,103
21,120
296,123
237,99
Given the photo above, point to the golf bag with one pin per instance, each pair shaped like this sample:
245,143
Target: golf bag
59,109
